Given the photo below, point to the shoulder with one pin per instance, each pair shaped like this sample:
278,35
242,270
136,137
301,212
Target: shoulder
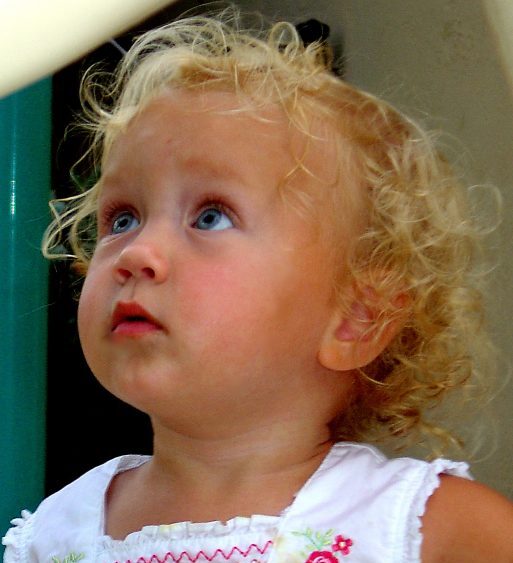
468,522
460,520
380,501
367,465
85,494
74,513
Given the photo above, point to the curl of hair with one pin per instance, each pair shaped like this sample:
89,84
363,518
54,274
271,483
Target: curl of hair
419,239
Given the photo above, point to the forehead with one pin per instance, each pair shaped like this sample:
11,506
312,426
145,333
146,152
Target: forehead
218,134
203,131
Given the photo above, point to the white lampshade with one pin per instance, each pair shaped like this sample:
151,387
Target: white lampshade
500,13
37,37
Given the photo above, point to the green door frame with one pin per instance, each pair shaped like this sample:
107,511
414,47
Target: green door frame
25,163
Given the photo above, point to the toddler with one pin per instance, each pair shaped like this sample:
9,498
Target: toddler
278,269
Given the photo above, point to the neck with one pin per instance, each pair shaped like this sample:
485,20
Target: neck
200,478
271,448
234,470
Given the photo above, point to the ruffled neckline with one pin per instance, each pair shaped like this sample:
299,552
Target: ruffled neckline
180,531
193,530
188,530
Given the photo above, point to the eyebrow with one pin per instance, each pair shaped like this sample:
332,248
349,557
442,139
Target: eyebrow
217,169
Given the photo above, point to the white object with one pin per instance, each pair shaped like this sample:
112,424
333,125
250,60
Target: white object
500,14
357,503
37,37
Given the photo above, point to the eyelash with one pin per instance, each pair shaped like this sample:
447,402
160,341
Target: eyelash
215,202
109,213
113,209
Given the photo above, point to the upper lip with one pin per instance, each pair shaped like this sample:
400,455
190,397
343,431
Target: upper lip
131,311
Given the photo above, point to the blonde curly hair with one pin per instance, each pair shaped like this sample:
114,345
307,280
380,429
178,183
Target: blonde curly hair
419,237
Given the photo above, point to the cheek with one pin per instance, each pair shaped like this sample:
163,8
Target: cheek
219,303
215,298
88,312
244,303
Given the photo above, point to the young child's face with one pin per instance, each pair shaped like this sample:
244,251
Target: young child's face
208,293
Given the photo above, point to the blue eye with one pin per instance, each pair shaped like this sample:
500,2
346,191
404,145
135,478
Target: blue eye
124,222
213,219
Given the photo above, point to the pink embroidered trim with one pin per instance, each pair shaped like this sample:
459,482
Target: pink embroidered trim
185,556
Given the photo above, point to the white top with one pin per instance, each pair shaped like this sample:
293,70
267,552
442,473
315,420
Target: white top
358,507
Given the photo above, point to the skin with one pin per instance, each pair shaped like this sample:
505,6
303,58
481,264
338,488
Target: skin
220,296
231,380
247,358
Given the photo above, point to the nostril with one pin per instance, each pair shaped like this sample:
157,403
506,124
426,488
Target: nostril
124,273
140,261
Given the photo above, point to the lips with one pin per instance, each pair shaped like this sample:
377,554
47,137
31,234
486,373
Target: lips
130,319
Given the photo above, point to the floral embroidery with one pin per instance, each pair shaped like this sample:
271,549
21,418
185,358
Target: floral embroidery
342,544
321,557
324,547
71,558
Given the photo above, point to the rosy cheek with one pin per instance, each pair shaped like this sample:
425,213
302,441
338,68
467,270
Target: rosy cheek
212,295
88,305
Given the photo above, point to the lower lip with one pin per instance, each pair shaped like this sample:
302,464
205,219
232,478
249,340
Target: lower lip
135,328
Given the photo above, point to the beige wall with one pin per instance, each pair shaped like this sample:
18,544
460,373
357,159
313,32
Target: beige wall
440,60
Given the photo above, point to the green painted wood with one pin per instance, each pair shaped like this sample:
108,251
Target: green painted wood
25,137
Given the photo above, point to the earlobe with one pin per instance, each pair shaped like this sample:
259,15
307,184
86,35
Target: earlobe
353,340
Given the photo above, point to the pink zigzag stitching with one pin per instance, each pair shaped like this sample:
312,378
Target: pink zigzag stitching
184,555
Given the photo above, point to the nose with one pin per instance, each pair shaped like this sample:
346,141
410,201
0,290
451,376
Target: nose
141,260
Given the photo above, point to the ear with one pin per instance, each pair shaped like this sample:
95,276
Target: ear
353,340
